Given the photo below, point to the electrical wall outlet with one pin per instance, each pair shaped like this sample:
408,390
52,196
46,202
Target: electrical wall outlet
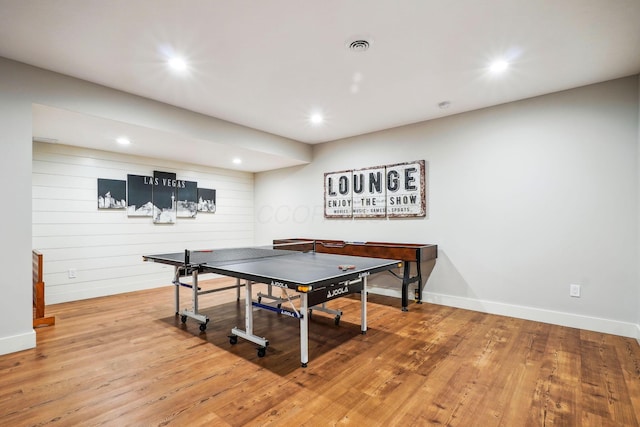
574,291
73,273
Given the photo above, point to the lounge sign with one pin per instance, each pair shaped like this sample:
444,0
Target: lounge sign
391,191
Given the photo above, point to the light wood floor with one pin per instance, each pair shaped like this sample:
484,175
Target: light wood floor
126,360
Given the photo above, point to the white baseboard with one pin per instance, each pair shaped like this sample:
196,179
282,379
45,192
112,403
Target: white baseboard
17,342
78,294
572,320
596,324
385,292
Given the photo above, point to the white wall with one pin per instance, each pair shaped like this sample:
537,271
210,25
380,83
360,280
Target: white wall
524,199
16,332
105,246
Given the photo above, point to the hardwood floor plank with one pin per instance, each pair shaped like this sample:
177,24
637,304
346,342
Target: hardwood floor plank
604,383
517,388
629,359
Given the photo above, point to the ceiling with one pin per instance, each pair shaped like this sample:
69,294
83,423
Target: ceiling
269,65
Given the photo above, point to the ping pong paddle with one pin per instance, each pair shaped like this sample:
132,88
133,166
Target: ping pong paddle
345,267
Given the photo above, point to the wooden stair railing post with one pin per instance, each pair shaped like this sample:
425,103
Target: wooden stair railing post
39,318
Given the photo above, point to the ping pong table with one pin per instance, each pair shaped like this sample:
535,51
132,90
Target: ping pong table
313,278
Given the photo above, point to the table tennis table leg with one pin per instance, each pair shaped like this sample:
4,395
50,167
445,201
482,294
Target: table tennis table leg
247,333
194,288
363,309
176,282
248,310
304,329
193,313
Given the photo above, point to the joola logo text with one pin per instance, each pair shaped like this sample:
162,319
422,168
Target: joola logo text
288,313
338,291
278,284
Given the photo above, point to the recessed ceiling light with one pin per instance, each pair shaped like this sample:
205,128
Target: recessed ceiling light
237,161
316,118
178,64
498,66
123,141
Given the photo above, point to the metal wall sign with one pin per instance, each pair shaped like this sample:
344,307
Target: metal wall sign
391,191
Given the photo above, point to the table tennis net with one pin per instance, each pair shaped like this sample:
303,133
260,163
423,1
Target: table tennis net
233,255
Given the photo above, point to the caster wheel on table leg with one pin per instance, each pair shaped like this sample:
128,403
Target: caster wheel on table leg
183,319
262,352
233,340
203,327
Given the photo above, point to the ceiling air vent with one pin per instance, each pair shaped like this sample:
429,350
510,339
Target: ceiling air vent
359,45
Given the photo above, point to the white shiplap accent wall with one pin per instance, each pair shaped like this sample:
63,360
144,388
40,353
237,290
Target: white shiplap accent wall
106,246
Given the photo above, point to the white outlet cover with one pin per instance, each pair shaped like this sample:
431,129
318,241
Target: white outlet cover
574,290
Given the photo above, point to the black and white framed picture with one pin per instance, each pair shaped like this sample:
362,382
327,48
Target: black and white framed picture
164,197
139,195
206,200
187,206
112,193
